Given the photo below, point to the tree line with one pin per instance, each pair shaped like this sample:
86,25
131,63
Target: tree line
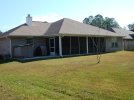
104,22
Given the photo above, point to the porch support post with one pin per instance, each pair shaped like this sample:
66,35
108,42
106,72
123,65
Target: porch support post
10,41
70,45
123,44
11,55
79,44
60,47
87,44
33,47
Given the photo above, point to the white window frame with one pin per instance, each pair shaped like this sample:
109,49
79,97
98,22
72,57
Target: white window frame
114,42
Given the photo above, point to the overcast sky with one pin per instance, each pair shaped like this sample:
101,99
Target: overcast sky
13,12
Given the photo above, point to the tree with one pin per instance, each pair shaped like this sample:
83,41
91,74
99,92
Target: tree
98,50
105,23
88,20
99,21
110,23
131,26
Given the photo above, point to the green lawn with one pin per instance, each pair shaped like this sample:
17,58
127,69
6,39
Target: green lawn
70,78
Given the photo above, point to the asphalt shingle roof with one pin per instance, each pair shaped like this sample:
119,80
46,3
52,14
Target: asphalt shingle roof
37,29
62,27
128,34
71,27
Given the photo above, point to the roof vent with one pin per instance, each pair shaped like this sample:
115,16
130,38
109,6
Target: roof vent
29,20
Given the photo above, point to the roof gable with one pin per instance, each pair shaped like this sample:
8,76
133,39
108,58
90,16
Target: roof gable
128,34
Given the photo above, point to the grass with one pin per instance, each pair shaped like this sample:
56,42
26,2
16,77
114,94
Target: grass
70,78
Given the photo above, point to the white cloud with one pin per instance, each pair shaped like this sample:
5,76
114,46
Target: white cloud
51,17
124,20
47,17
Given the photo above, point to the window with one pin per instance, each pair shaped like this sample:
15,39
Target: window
29,41
114,43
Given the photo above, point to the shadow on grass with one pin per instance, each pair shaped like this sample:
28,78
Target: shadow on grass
7,61
23,60
26,60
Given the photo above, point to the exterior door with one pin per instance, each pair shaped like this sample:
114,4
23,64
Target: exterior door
52,46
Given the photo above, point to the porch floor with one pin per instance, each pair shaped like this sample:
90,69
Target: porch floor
51,57
36,58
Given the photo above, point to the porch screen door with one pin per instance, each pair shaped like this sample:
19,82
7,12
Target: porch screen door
52,46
